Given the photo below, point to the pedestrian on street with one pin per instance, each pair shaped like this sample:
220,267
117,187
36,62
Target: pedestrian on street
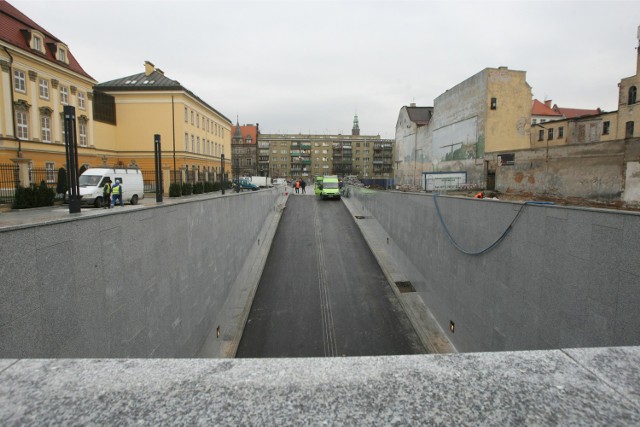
297,186
303,185
117,193
106,194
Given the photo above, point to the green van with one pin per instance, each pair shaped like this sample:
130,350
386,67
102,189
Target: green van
330,188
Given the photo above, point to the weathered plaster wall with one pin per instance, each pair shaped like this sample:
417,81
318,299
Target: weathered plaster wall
602,171
507,127
459,117
413,150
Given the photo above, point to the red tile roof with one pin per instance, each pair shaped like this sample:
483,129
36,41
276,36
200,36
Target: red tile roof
540,109
572,113
247,130
12,22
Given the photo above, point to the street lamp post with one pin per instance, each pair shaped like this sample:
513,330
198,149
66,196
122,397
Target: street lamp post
223,180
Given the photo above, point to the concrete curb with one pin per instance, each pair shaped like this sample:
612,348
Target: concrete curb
224,338
432,336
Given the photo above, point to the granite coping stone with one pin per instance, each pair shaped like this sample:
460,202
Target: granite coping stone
553,387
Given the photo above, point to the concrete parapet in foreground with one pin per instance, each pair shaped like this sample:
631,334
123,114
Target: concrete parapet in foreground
598,386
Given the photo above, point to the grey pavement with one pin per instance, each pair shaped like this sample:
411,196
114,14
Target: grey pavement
60,212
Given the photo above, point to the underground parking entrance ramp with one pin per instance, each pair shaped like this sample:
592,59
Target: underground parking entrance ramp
322,294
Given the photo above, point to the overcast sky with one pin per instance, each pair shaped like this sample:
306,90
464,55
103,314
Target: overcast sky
309,66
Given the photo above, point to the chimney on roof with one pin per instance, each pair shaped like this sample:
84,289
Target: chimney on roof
148,68
413,104
160,71
547,102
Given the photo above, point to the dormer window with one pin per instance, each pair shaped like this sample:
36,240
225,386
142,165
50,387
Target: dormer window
60,52
37,41
62,55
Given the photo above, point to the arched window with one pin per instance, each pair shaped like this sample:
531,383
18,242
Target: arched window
632,95
629,130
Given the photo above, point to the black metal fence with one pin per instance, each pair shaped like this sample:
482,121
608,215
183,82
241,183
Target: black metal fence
181,176
149,178
9,180
49,176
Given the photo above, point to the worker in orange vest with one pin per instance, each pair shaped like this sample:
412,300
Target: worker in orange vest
480,195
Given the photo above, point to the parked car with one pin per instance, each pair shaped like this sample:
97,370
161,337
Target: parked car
245,184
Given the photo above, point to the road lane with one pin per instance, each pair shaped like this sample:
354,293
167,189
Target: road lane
322,293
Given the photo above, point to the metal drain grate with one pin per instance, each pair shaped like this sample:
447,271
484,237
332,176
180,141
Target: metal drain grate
405,287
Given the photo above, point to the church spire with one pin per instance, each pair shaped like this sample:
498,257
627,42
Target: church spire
356,126
237,135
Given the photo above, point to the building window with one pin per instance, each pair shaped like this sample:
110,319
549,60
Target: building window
198,121
192,117
550,136
64,95
193,144
82,132
44,89
541,135
82,100
561,132
247,162
22,121
62,55
186,141
186,115
37,43
45,128
50,169
605,128
19,81
632,95
628,130
198,146
494,103
104,108
534,121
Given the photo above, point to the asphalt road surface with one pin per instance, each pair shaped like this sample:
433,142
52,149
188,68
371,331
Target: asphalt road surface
322,293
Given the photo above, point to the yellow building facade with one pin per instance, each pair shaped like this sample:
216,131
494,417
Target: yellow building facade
39,76
115,121
194,135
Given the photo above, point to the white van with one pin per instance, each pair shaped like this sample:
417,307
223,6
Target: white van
92,181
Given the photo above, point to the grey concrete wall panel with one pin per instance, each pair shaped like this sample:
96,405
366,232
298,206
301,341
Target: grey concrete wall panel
134,283
563,277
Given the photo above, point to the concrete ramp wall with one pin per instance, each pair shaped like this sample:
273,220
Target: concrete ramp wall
148,282
562,277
